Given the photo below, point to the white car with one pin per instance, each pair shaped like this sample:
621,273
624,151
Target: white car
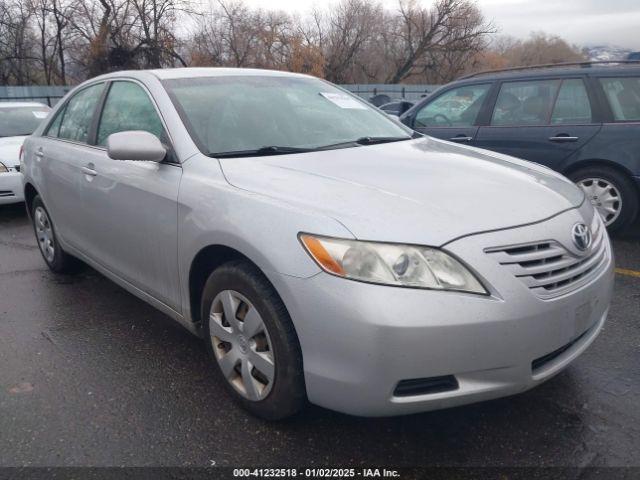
17,121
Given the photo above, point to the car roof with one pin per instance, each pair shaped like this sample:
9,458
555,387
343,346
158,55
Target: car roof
548,72
195,72
22,104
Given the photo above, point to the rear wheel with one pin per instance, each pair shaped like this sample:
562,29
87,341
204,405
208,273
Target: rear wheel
612,194
54,256
252,342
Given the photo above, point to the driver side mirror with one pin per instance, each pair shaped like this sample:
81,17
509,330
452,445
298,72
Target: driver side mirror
135,145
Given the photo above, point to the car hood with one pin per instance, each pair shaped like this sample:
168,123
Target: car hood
423,191
10,150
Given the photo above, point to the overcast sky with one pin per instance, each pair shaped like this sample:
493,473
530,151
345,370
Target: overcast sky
583,22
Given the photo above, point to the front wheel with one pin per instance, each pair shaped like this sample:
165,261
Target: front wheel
251,340
612,194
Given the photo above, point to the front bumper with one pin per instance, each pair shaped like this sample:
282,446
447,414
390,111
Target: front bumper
11,188
360,340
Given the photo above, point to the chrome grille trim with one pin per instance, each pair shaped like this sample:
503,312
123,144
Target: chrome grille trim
548,268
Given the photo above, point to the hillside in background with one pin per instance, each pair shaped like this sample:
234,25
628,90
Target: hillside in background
606,52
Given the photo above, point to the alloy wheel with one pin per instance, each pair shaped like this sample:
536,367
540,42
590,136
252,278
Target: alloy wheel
604,196
241,345
44,233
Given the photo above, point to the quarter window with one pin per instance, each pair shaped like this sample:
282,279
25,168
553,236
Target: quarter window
623,94
525,103
456,108
128,107
76,121
572,106
54,128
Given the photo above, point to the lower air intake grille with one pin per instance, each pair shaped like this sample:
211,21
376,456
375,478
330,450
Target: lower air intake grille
425,386
541,362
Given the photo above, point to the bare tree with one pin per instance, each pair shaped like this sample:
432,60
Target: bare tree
539,48
353,41
423,34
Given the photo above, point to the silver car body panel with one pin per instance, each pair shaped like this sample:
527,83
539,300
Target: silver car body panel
142,224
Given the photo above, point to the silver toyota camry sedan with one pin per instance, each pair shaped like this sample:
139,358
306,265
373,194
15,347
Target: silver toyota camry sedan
320,249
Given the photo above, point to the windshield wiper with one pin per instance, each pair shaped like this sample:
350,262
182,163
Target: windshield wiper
283,150
261,152
377,140
364,141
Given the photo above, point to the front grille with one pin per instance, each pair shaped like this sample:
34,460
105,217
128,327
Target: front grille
548,268
6,193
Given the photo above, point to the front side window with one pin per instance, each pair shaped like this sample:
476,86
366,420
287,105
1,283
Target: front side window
20,121
456,108
525,103
572,106
76,121
243,113
623,94
128,107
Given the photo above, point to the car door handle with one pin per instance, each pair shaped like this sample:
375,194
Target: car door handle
39,153
88,170
461,138
563,138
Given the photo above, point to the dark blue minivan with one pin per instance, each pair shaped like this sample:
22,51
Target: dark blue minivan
582,120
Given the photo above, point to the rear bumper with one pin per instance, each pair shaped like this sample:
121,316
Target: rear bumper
11,188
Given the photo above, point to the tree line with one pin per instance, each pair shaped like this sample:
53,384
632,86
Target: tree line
60,42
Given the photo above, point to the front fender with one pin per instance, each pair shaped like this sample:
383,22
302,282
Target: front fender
264,229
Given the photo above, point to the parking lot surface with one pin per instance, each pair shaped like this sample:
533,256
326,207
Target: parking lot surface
90,375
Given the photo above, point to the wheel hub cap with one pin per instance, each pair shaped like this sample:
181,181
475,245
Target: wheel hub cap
604,196
241,345
44,233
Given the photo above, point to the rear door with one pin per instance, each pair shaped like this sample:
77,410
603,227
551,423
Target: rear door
543,121
453,114
60,154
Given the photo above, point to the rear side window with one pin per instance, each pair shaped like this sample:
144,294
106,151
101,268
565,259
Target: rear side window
456,108
572,106
128,107
525,103
623,94
76,121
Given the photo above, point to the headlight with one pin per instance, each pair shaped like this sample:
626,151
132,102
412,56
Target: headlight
3,168
391,264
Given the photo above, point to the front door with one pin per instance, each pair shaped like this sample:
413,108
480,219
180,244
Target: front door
131,206
452,115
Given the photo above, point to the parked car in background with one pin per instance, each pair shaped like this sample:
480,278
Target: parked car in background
582,122
397,107
17,120
319,248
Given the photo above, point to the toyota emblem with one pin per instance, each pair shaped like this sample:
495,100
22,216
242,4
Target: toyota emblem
581,236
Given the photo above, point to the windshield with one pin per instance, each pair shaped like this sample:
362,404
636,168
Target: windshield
18,121
247,113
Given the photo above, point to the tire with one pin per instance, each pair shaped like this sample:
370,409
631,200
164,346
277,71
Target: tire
54,256
248,294
622,185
